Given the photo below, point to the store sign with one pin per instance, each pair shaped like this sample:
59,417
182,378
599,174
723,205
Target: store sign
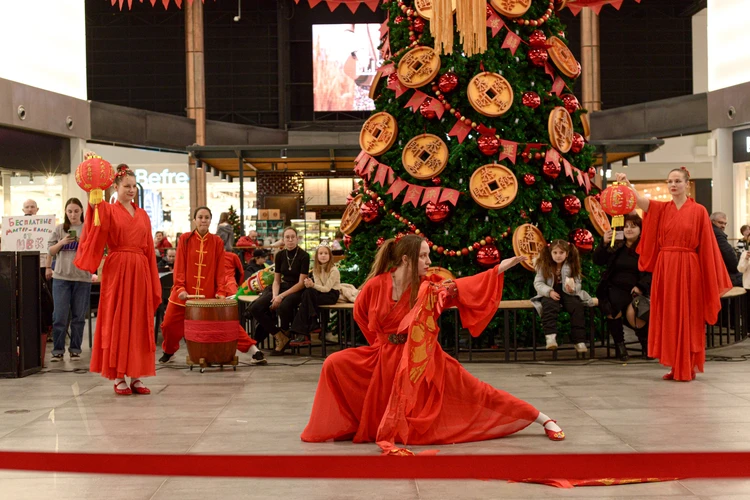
143,177
741,146
27,233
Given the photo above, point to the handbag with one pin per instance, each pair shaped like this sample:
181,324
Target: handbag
641,306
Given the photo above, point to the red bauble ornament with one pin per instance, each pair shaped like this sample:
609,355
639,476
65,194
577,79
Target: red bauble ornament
571,204
476,246
369,211
538,57
437,212
592,173
529,179
489,11
578,143
440,250
436,181
398,19
418,25
531,99
347,241
488,144
380,241
545,206
570,102
464,251
582,239
538,39
448,82
488,256
551,169
426,111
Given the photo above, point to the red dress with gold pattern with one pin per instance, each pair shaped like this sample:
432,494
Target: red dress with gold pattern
413,392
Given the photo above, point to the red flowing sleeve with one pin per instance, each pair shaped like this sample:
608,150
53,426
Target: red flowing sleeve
648,247
152,270
180,268
232,264
94,238
714,276
478,298
362,305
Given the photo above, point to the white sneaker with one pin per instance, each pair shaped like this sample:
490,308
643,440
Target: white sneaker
581,347
330,337
551,342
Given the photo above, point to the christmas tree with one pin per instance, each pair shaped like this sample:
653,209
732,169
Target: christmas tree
234,220
477,141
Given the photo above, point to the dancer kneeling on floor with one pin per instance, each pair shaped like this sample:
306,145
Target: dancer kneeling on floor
403,387
320,290
291,268
621,283
558,285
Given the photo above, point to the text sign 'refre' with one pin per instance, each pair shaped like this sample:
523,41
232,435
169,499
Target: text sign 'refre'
27,233
145,178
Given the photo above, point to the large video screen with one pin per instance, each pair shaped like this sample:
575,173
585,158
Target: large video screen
345,57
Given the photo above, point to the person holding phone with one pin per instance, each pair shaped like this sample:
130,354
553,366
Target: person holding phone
71,287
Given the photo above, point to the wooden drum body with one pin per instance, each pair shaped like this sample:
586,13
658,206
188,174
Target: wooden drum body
211,331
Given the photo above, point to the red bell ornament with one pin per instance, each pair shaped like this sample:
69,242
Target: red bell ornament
571,204
488,256
448,82
582,239
94,175
617,200
488,144
570,102
545,206
437,212
529,179
551,169
531,99
426,111
578,143
369,211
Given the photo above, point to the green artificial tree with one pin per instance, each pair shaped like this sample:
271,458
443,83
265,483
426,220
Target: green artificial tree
234,220
517,49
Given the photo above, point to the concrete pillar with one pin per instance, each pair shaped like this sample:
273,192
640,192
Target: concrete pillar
196,95
590,69
723,188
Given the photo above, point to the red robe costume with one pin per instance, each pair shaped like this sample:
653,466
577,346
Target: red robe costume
232,266
413,392
689,278
130,290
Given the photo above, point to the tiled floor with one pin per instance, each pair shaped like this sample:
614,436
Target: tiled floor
603,407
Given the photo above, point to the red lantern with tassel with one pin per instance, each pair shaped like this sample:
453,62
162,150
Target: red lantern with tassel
94,175
617,200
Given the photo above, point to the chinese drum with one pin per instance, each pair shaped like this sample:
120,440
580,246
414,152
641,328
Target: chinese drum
211,330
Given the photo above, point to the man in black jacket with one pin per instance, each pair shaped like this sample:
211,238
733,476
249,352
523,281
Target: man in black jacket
719,221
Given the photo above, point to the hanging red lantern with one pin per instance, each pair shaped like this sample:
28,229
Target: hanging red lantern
582,239
571,204
418,25
426,111
94,175
545,206
488,256
369,211
488,144
570,102
617,200
578,143
531,99
347,241
437,212
529,179
551,169
448,82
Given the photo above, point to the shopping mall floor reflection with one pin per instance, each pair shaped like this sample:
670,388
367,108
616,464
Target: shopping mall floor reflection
602,406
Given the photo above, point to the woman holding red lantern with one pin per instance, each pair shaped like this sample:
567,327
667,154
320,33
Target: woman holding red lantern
130,287
689,277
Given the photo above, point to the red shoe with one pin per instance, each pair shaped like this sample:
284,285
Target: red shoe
123,392
553,435
669,376
139,390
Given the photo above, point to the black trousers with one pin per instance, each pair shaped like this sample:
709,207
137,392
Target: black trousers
304,321
619,300
573,305
267,319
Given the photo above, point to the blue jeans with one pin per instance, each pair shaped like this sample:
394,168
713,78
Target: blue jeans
71,301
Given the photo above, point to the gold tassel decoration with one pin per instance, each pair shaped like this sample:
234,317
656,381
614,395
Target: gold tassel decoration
471,24
441,25
96,196
617,221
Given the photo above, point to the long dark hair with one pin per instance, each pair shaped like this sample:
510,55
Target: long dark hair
547,266
74,201
635,219
391,255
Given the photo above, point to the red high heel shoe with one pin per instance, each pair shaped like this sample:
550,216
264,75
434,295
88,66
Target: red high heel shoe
139,390
668,376
123,392
553,435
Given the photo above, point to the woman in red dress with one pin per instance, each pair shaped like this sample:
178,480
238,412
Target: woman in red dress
403,387
130,287
689,277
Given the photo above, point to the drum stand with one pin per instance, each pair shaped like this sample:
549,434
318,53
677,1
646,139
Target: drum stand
203,364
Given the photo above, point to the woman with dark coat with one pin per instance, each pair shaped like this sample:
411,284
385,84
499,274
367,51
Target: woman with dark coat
621,283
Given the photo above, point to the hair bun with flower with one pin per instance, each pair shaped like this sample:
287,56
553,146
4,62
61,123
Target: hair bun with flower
122,170
687,172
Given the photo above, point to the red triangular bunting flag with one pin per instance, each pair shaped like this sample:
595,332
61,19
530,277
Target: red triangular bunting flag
495,22
450,195
373,5
352,6
387,69
413,194
384,28
333,4
511,42
460,130
398,185
437,107
549,70
616,4
395,85
558,86
416,101
390,176
509,151
553,156
580,177
431,195
568,168
596,9
381,174
575,9
313,3
587,183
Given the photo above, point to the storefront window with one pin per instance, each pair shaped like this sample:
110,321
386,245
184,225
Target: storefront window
46,191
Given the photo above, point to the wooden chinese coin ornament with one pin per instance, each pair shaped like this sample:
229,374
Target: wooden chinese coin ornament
352,217
560,128
424,8
418,67
529,241
378,134
490,94
440,271
598,218
374,85
562,57
493,186
586,126
511,8
425,156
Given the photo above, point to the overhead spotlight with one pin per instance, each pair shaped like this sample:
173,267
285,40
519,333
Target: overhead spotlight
50,180
223,176
642,157
333,167
625,162
283,153
239,11
31,178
